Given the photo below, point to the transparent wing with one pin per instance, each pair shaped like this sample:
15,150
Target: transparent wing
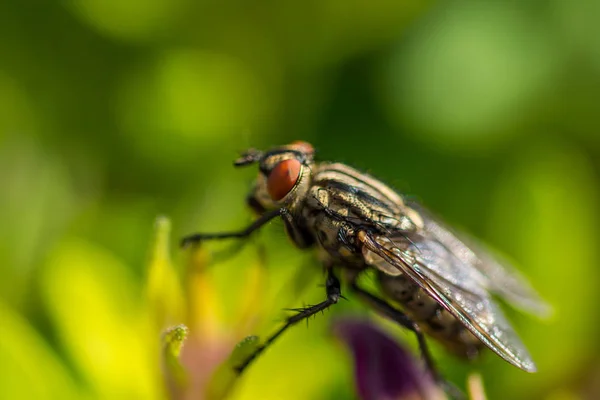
499,276
459,288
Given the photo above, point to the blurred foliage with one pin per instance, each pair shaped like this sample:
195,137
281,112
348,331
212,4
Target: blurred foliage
112,113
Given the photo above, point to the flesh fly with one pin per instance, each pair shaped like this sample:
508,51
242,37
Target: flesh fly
433,281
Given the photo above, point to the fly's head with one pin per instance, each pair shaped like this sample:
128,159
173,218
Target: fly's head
283,178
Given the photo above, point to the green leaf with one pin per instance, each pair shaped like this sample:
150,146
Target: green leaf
94,306
163,287
243,350
29,369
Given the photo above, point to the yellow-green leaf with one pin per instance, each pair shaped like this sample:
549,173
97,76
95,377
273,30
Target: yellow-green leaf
163,287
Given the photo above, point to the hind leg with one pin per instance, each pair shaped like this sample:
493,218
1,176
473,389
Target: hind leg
387,310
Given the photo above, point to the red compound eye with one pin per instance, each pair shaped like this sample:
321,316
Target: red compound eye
283,178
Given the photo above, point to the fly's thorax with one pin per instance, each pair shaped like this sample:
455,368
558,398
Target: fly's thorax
342,201
366,200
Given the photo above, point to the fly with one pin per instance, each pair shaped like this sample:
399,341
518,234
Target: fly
433,281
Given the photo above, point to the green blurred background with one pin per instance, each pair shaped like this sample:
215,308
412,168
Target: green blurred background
114,112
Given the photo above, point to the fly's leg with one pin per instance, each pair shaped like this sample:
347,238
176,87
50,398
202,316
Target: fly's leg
266,217
384,308
332,287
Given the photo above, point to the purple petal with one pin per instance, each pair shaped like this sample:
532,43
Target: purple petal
383,370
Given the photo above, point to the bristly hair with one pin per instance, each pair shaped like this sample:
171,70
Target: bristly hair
248,157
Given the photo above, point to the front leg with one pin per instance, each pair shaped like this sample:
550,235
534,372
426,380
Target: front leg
332,287
266,217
